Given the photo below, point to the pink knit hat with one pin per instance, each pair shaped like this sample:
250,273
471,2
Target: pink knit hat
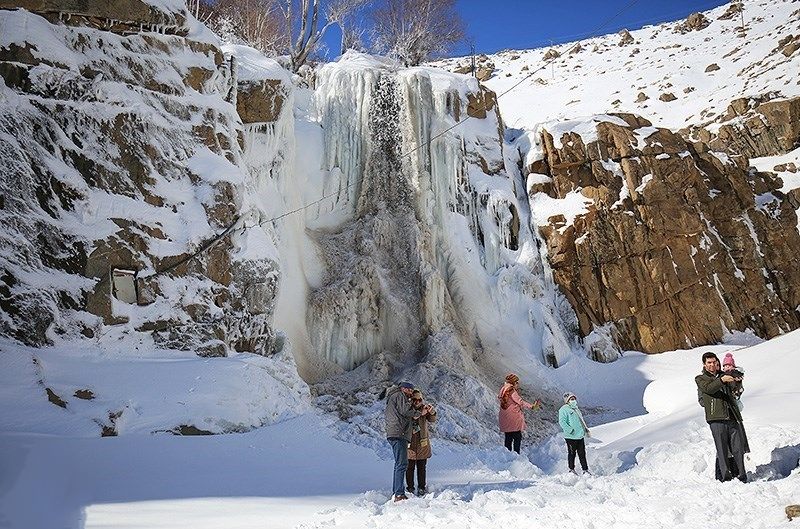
728,360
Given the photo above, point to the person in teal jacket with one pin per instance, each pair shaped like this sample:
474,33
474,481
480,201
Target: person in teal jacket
575,430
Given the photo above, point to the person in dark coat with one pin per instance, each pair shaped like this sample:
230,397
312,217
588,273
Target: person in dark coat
723,417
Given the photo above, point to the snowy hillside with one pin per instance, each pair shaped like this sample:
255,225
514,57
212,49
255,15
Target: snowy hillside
705,67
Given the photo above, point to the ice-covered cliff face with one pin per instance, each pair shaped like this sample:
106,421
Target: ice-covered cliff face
414,256
120,152
383,241
415,250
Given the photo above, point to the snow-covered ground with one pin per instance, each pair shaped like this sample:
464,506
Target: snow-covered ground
653,467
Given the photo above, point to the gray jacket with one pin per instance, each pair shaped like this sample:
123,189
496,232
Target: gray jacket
399,414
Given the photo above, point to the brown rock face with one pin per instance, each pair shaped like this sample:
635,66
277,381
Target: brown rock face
260,102
678,247
120,16
757,128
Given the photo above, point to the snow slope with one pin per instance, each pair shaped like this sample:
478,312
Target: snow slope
651,469
605,76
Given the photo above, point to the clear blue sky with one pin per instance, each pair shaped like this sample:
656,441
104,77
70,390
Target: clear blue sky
495,25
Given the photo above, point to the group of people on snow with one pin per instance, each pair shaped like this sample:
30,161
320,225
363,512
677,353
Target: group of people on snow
407,416
570,419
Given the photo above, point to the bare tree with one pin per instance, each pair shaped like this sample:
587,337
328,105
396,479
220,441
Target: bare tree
415,30
307,16
257,23
353,30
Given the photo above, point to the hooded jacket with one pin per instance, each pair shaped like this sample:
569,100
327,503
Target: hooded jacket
398,414
511,418
571,423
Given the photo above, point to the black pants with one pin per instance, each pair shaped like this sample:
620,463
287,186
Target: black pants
420,464
728,440
576,446
513,441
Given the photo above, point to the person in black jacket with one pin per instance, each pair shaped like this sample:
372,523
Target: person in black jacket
723,417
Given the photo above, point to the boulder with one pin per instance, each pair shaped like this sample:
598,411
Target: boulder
552,53
733,10
694,22
484,73
625,38
260,101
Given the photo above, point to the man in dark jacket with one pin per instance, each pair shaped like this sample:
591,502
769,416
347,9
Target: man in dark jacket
399,414
723,416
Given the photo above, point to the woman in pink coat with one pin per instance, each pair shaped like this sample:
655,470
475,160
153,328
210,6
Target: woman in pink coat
512,420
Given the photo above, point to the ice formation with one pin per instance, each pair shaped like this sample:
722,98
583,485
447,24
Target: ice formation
413,230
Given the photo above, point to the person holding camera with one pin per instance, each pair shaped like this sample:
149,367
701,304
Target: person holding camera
419,449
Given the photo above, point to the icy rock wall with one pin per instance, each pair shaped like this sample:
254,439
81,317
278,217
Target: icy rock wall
120,151
420,231
371,299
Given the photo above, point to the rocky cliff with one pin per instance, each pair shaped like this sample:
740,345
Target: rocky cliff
677,234
677,244
160,191
120,159
372,222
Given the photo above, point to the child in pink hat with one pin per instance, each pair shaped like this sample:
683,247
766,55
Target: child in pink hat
729,367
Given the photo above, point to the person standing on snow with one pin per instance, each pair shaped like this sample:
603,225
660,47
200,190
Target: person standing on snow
399,415
511,418
419,450
575,430
723,417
